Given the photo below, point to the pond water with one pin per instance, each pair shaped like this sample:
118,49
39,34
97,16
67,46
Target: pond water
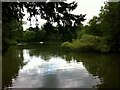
47,65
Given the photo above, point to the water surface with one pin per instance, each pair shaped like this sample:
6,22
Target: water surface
47,65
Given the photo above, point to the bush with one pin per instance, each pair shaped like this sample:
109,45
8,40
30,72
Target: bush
66,44
10,42
88,43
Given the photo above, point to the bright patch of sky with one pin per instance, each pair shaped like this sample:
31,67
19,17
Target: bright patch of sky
89,7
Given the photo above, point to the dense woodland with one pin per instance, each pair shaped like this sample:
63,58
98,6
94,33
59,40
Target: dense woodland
102,34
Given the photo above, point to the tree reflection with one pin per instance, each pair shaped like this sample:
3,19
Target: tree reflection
11,63
104,66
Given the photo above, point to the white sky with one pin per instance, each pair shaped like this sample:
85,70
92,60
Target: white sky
89,7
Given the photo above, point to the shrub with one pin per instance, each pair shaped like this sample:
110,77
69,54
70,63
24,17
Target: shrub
88,43
66,44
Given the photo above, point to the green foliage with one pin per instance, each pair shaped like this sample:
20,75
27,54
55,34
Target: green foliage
32,36
49,33
88,43
53,12
103,32
58,12
11,31
66,44
110,24
29,36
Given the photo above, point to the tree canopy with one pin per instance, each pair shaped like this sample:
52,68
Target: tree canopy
51,11
102,32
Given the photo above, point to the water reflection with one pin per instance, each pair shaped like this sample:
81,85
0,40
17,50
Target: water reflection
63,74
12,61
41,64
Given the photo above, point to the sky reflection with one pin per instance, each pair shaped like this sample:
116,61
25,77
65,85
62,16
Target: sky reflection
63,74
